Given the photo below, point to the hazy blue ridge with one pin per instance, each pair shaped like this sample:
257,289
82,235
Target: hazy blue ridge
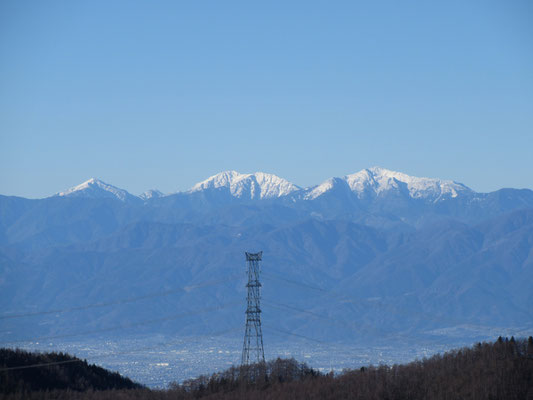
341,266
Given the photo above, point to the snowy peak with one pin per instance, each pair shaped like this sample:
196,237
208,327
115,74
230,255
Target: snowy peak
327,186
253,186
272,185
222,179
376,181
95,188
367,184
381,180
151,194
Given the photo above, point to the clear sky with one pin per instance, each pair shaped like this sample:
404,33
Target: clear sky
163,94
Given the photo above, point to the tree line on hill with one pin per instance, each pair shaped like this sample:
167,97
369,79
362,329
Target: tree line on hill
499,370
58,371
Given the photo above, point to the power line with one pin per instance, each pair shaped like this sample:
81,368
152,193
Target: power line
305,285
395,309
360,330
40,365
109,355
364,329
185,289
293,334
128,326
284,306
327,293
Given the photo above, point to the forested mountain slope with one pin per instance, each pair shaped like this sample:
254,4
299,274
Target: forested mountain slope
370,254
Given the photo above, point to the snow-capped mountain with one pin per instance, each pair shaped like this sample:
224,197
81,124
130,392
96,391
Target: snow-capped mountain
369,183
376,181
373,196
95,188
329,186
401,247
248,186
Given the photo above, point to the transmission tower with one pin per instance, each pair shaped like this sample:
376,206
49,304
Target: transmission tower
252,350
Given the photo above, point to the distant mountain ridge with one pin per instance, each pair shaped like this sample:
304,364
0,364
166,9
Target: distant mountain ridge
95,188
377,181
253,186
407,255
260,185
374,196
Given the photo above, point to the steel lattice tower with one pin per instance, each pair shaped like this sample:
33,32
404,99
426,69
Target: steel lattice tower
252,350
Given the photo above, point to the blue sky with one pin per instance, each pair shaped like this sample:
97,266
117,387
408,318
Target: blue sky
163,94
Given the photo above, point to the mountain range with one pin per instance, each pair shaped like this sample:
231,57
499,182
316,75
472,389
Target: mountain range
374,254
368,183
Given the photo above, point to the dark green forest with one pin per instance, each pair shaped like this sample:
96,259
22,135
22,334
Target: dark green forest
499,370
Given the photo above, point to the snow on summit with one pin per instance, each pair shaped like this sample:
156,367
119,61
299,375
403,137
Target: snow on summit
254,186
377,181
151,194
324,187
380,179
365,184
95,188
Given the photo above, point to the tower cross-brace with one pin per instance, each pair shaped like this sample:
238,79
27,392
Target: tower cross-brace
252,350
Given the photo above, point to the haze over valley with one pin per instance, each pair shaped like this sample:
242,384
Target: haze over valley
373,160
372,258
